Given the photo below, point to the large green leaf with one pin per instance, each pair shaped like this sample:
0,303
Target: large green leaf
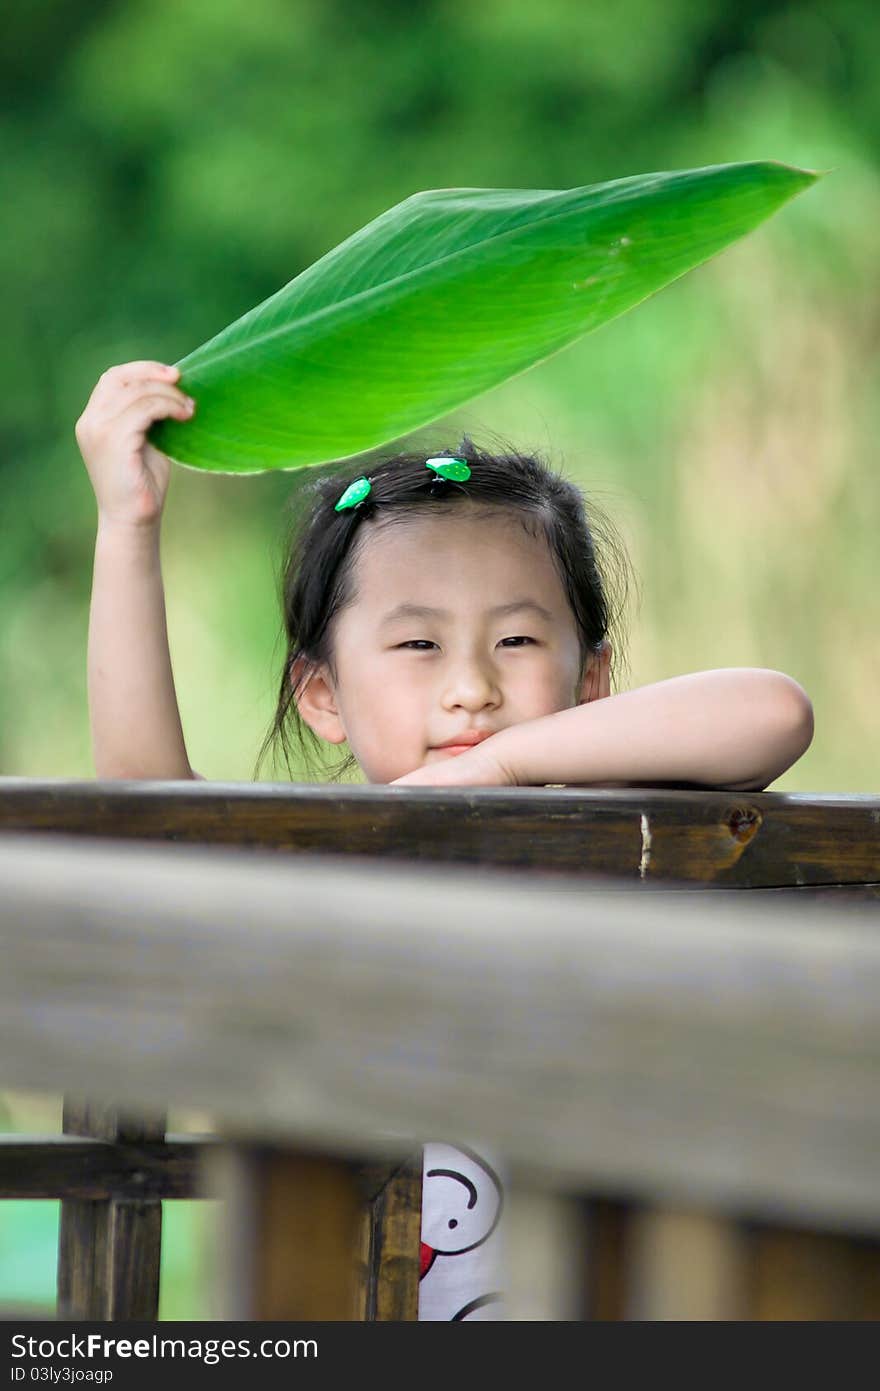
440,298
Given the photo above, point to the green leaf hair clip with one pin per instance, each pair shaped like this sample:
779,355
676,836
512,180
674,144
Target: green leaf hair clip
456,470
354,493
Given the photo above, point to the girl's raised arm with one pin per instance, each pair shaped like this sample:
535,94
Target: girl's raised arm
738,728
135,721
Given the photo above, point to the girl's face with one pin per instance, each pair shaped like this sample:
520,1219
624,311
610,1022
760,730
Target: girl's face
460,624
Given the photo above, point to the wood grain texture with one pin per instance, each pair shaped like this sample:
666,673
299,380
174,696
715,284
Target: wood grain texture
390,1247
83,1277
600,1041
743,840
109,1250
66,1166
135,1243
103,1120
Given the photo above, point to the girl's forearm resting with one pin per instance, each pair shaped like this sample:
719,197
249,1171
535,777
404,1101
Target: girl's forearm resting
135,721
738,728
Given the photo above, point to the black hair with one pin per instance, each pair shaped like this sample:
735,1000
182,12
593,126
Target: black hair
317,576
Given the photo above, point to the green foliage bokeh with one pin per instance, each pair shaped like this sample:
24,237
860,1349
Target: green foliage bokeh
166,166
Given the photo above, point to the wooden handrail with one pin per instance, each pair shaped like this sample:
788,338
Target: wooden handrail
690,838
713,1073
71,1166
599,1040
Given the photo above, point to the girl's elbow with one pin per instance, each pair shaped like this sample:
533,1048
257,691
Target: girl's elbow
783,730
799,719
792,720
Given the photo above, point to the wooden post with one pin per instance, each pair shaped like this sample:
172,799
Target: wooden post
289,1234
545,1256
391,1221
309,1236
686,1265
608,1226
109,1250
814,1276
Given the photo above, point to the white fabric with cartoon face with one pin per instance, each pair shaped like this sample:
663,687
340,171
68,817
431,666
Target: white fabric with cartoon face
462,1199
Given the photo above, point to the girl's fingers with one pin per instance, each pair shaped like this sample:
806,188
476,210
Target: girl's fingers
141,413
123,396
130,373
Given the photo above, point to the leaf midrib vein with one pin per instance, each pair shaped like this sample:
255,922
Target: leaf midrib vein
385,286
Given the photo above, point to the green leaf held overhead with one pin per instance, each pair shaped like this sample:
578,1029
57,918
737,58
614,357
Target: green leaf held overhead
442,297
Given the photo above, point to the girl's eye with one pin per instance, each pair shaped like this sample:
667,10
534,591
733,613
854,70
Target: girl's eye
420,644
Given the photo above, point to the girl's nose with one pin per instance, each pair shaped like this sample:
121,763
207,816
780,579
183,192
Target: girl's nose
472,686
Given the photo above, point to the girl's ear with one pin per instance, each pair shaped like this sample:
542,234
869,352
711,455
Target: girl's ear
597,680
316,701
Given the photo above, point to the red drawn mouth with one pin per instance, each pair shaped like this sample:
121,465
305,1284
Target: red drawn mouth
426,1259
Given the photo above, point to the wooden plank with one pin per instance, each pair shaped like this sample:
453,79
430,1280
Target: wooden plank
380,1262
656,1047
390,1247
227,1175
608,1223
730,839
134,1239
66,1166
304,1237
83,1246
813,1276
289,1240
827,893
686,1266
545,1257
109,1250
108,1121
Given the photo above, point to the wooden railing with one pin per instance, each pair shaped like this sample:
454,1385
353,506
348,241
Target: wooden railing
686,838
683,1083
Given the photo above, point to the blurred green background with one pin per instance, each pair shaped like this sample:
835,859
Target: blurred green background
168,164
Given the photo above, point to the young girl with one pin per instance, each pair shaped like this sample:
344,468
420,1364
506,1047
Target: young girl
447,617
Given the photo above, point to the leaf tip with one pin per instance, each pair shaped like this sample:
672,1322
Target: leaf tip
808,175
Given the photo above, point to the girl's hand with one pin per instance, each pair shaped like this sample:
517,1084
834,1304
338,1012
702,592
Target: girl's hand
479,767
130,477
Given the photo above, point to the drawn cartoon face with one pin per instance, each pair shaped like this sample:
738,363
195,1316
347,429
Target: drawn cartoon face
461,1200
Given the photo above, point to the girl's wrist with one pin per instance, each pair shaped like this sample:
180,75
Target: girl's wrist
139,534
128,549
